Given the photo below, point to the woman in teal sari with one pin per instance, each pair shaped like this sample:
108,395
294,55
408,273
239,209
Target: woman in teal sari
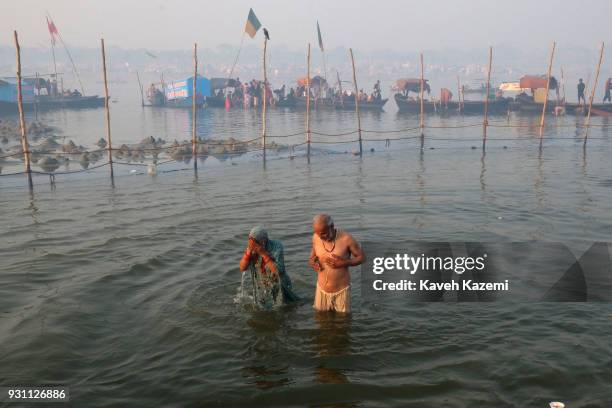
266,257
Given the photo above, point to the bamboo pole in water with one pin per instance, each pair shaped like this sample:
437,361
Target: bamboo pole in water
422,122
356,102
141,90
265,97
340,89
563,86
25,146
552,55
308,103
194,110
485,121
36,96
588,119
459,93
106,103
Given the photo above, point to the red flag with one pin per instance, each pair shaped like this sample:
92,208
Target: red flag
52,30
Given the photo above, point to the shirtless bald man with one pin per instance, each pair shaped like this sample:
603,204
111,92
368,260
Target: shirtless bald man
333,252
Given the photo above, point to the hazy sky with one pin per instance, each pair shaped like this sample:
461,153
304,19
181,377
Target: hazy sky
387,24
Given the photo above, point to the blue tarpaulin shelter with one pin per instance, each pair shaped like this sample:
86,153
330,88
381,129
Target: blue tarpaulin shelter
8,90
184,89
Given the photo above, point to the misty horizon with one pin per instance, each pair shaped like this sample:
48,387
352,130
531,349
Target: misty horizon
389,25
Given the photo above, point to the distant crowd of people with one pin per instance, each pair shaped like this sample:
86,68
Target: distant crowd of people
247,94
250,94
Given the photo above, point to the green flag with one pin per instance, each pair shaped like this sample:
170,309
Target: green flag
252,24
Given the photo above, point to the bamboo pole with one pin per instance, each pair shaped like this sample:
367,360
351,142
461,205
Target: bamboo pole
552,55
25,146
563,86
141,90
588,119
36,96
340,89
459,93
422,122
462,97
194,110
106,105
74,68
265,97
54,65
356,102
308,103
485,121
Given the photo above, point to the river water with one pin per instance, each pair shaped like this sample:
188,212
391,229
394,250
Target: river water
126,293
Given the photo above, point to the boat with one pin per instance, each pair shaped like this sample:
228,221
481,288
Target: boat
348,103
70,102
497,106
534,103
39,93
601,112
321,95
598,109
412,104
299,102
407,103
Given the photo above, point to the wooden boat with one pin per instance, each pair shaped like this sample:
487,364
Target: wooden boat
524,106
598,109
534,103
601,112
497,106
70,102
67,102
413,105
348,103
300,103
410,105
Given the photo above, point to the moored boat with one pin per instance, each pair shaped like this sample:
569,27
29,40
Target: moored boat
42,94
413,105
348,103
538,85
598,109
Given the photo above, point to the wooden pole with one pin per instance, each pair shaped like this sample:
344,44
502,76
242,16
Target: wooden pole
265,97
194,110
485,121
25,146
552,55
141,90
55,66
459,93
588,119
106,105
422,123
308,103
462,98
340,89
357,102
563,86
36,96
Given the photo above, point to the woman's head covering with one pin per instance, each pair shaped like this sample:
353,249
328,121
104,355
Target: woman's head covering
258,233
